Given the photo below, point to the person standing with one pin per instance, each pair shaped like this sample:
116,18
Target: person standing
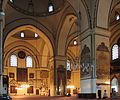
99,94
99,91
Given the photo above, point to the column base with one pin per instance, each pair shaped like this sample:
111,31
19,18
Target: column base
87,95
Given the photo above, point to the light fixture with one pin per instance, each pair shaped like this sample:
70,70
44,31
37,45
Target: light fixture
50,6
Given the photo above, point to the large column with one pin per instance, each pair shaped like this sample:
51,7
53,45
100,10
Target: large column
103,59
60,75
1,53
52,79
88,64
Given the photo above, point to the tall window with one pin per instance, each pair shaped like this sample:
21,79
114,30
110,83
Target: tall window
68,64
28,61
115,52
13,60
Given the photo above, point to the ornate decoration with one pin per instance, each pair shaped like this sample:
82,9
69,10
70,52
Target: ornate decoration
11,75
44,74
85,62
21,54
31,75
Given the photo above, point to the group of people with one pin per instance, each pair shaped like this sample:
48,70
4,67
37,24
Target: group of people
105,96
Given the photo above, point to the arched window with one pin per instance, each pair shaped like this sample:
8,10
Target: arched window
114,84
115,52
68,64
50,6
29,61
13,60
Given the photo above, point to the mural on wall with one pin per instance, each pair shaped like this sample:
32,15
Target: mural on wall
102,63
85,63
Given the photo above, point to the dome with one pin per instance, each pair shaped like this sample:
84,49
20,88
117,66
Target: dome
36,7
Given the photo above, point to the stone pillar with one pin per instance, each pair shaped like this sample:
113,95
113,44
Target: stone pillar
52,79
88,65
60,72
103,59
1,53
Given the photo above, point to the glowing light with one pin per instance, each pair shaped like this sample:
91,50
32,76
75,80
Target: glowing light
25,86
50,8
18,88
117,17
70,86
22,34
36,35
11,1
75,42
107,82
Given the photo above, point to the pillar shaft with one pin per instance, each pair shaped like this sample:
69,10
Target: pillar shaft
1,54
60,75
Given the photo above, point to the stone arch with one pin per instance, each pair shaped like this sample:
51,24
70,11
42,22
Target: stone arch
20,45
64,31
34,29
102,18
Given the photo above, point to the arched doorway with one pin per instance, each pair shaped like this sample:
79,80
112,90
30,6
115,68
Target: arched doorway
114,85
